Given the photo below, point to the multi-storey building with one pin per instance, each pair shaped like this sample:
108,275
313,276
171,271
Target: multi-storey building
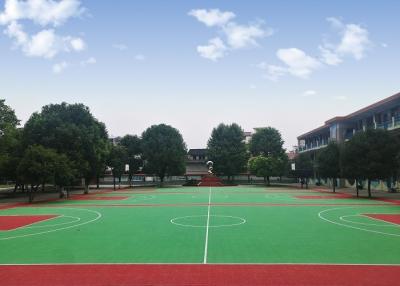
384,114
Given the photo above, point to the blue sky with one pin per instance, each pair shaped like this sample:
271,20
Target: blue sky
193,64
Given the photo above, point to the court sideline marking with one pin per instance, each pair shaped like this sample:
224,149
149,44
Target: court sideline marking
208,224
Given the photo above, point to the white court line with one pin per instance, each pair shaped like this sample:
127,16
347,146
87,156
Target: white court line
207,226
194,263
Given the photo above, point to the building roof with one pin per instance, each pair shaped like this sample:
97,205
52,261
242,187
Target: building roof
366,109
197,152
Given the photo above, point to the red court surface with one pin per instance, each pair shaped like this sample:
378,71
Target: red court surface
198,274
93,198
392,218
12,222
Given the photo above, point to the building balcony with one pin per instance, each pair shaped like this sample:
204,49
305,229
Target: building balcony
311,147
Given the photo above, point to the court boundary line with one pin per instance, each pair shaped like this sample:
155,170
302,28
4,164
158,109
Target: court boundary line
207,226
54,230
200,263
354,227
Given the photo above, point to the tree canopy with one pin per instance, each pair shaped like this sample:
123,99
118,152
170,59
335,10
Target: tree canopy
266,167
72,130
266,142
371,155
133,146
164,151
328,161
117,159
226,148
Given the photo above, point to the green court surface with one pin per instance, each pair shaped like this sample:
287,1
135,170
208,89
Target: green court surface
242,225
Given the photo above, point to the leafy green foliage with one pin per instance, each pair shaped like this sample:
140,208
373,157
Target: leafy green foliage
117,159
371,155
304,167
72,130
226,148
266,167
328,161
7,116
266,142
164,151
133,146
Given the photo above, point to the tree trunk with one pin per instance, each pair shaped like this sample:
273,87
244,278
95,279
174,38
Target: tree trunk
268,182
334,184
30,194
306,183
86,191
369,188
114,182
98,181
119,183
357,188
15,187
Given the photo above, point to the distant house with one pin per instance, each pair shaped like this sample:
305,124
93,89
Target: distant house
196,163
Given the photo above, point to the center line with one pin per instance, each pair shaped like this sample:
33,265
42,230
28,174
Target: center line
208,224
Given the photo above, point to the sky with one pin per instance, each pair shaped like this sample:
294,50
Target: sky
287,64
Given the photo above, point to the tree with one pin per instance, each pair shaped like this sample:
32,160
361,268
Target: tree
266,142
371,155
226,148
328,160
164,151
304,167
10,143
132,143
72,130
37,167
64,174
265,167
118,157
7,116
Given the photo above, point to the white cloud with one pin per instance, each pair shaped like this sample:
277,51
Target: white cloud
384,45
42,12
45,43
354,41
212,17
298,62
60,67
329,57
241,36
308,93
140,58
120,47
253,86
274,72
77,44
236,36
89,61
214,50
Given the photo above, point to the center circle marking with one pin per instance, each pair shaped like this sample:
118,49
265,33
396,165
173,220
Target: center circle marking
185,221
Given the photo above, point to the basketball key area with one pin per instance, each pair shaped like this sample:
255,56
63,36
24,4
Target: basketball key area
179,236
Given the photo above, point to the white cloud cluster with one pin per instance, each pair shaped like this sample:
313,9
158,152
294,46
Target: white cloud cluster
237,36
45,43
60,67
212,17
214,50
354,42
89,61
